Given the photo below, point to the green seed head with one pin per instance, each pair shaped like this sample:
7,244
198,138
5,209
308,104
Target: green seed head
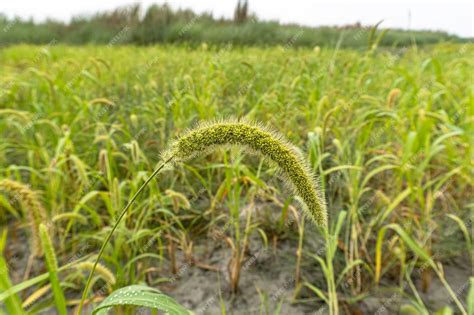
206,137
35,211
103,271
48,249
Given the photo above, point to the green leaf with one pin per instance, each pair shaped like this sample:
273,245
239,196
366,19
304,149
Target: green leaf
444,311
470,298
383,215
36,280
317,291
141,295
412,244
12,303
463,228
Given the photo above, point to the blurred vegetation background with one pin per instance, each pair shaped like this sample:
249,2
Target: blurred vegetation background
162,24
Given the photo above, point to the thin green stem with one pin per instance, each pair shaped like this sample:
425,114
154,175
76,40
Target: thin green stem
109,236
450,291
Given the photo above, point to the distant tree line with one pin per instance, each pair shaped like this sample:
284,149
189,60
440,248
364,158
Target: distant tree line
162,24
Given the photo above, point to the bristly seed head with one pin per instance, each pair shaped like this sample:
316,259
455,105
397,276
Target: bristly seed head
206,137
35,211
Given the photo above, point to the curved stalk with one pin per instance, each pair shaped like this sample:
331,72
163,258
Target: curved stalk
109,236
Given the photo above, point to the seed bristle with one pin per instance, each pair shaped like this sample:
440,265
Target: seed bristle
257,138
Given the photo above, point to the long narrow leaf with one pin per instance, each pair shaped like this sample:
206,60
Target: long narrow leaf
142,296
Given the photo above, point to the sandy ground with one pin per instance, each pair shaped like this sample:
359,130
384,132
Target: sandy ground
272,273
267,281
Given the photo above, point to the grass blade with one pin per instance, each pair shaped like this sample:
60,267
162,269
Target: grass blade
12,302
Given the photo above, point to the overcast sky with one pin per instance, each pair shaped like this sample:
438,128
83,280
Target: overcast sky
455,16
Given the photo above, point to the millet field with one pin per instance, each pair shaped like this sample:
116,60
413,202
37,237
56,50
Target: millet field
279,180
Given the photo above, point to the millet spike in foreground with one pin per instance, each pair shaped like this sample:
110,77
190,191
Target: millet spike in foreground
205,137
208,136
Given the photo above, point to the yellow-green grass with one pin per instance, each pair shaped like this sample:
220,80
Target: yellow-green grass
387,132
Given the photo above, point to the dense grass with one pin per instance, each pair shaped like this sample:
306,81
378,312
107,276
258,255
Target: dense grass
161,24
388,132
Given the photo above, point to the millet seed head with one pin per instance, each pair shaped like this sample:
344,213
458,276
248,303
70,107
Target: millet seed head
205,137
35,211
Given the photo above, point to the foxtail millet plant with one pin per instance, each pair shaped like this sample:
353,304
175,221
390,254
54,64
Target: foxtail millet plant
103,271
256,138
52,264
208,136
33,207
